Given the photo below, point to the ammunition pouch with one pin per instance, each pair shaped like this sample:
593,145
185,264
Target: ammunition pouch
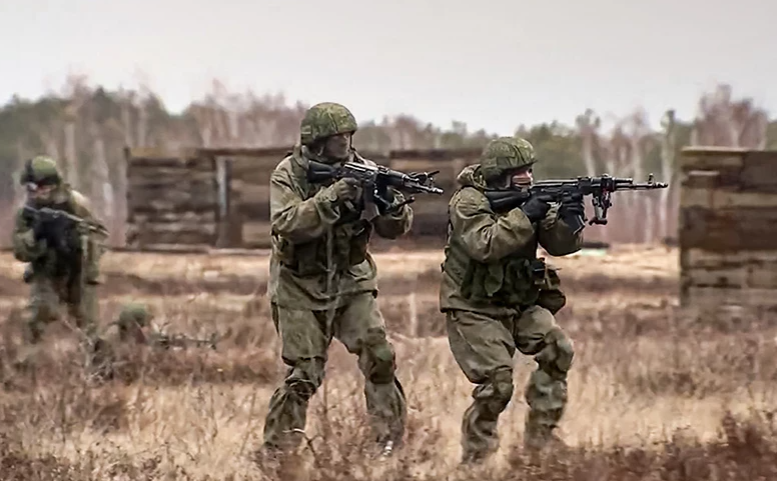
517,282
550,296
349,248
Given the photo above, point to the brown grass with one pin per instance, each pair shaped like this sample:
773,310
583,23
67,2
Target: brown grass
654,393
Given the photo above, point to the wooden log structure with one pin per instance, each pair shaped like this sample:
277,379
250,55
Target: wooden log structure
220,196
728,227
170,200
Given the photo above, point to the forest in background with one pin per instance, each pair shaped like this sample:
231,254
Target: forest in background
86,128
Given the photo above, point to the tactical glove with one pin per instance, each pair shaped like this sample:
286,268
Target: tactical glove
535,209
39,228
572,205
57,231
346,189
387,198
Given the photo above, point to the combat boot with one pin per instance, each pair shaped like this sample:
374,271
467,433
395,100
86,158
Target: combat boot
537,443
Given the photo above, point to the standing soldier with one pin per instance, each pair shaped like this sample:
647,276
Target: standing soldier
57,234
323,281
497,296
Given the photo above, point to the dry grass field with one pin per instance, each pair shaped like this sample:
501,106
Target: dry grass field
654,393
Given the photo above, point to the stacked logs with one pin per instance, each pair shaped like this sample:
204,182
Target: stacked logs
728,227
171,201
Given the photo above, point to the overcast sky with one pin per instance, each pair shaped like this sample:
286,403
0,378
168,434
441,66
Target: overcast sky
493,64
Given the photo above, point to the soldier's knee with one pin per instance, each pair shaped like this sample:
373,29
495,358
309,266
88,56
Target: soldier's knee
379,357
41,313
305,378
497,391
557,355
503,385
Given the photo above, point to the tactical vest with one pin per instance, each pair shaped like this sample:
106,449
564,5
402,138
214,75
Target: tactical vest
54,263
350,237
517,280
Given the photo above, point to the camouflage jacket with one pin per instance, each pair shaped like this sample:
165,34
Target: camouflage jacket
312,237
44,260
491,259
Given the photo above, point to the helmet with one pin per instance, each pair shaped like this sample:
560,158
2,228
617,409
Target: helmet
134,314
41,170
324,120
503,154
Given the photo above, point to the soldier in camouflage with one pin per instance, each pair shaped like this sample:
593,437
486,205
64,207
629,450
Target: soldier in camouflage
135,324
323,282
499,297
62,268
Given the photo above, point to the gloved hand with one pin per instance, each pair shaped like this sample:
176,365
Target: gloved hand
387,198
572,206
535,209
56,230
346,189
39,228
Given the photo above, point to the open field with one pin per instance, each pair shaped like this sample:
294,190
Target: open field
654,393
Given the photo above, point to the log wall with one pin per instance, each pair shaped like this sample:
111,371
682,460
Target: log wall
170,200
220,197
728,227
251,182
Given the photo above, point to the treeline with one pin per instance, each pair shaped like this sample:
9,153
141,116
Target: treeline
86,127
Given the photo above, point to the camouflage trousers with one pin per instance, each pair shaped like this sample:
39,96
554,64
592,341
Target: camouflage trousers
484,348
305,338
46,297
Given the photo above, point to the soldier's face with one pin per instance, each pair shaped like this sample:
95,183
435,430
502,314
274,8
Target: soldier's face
337,146
41,193
522,177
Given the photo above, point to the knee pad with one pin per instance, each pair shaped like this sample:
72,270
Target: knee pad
557,355
497,390
305,378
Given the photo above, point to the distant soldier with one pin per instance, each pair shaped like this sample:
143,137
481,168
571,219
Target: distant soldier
58,235
499,297
135,324
323,281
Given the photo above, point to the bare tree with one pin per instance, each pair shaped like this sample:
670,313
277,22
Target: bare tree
77,91
588,125
615,150
725,122
668,148
102,192
640,206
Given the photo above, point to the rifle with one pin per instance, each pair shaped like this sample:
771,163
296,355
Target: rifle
375,180
31,212
49,213
167,341
600,188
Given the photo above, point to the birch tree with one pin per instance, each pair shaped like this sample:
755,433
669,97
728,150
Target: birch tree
724,122
588,126
668,149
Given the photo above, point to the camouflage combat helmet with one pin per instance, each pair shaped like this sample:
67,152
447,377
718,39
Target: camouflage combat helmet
503,154
40,170
324,120
134,314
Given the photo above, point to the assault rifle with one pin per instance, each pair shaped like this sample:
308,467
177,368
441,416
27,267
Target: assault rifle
600,188
375,180
166,341
49,213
